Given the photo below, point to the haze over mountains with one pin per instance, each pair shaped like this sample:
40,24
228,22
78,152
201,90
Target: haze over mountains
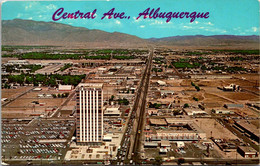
28,32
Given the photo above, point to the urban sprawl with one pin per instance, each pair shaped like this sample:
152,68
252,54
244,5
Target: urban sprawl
129,106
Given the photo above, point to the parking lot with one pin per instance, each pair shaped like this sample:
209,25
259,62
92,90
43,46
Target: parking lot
36,139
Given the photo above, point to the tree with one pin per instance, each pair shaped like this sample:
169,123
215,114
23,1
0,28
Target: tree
28,79
186,105
112,97
195,98
158,160
6,86
123,101
197,88
63,95
52,82
66,94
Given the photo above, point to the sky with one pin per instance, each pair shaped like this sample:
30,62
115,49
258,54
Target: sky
226,17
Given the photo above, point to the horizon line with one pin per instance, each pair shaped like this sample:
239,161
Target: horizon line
129,33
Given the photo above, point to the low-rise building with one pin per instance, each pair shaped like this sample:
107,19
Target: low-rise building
150,145
247,151
158,122
194,111
167,93
161,83
233,106
222,112
251,130
65,87
17,62
112,112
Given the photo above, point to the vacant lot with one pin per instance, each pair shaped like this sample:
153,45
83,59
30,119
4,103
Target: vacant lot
239,95
218,131
12,93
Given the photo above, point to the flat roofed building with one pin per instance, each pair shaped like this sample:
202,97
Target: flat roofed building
17,62
65,87
167,92
194,111
232,106
150,145
158,122
223,112
247,151
89,112
249,128
112,112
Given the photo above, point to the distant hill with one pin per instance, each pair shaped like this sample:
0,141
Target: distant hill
28,32
215,41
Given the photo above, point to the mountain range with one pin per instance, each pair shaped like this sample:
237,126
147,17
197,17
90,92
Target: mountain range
29,32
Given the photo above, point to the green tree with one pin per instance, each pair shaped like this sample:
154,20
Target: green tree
112,97
186,105
52,82
66,94
158,160
195,98
197,88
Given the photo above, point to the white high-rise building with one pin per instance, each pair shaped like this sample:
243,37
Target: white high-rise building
89,112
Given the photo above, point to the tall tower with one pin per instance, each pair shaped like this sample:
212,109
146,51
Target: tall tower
89,112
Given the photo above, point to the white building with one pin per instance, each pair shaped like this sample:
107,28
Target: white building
65,87
17,62
112,112
161,83
89,112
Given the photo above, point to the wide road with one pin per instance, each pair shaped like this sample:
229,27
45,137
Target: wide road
131,138
140,113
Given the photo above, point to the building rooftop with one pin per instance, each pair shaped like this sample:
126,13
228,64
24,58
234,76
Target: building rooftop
158,122
250,127
167,91
70,108
192,111
112,111
165,143
247,149
234,105
150,144
177,120
90,85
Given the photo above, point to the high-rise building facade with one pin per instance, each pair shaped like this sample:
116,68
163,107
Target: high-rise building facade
89,112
